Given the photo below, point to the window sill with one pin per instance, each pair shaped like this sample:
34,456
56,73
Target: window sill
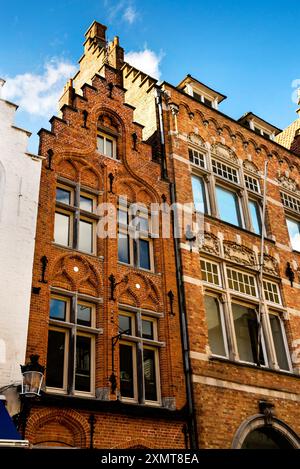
130,266
69,248
253,366
219,220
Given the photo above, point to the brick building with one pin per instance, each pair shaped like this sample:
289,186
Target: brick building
188,365
103,389
243,396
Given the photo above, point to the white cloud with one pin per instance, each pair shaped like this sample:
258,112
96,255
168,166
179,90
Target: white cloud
38,94
146,60
130,14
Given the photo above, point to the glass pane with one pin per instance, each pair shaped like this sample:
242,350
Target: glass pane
125,324
101,144
279,342
123,248
149,375
83,364
246,331
147,327
199,194
109,147
126,371
84,315
122,217
294,233
58,309
142,224
55,359
62,229
85,236
62,195
215,333
86,204
228,206
255,216
144,254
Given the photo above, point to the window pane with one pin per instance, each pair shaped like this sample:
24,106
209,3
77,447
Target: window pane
122,216
255,216
126,371
294,233
279,342
85,236
246,331
123,248
55,359
84,315
215,333
228,206
108,147
83,364
58,309
86,204
144,254
147,328
101,144
149,375
62,229
62,195
143,224
199,194
125,324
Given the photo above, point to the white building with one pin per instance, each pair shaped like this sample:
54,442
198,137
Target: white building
19,190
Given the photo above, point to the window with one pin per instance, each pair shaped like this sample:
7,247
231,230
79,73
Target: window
135,245
246,332
255,216
294,233
271,292
279,341
106,145
75,227
241,282
139,364
71,343
225,171
199,194
290,202
210,272
216,326
197,158
252,184
228,206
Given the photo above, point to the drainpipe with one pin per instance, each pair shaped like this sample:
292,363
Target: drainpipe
163,166
191,422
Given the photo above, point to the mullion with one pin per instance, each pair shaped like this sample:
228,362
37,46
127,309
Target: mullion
77,216
72,346
139,363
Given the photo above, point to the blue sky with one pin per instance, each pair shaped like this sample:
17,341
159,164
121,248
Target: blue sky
246,50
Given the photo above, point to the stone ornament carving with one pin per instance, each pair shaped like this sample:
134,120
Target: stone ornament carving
250,167
271,265
211,244
289,184
195,139
224,152
239,253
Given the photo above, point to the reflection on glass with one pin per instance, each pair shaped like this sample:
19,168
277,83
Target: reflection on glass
199,194
55,359
63,196
85,236
84,315
294,232
215,333
279,342
147,328
149,375
86,204
144,254
58,309
62,229
125,324
123,248
126,371
246,331
255,216
83,364
228,206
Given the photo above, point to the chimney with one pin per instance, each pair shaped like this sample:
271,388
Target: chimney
295,146
116,54
96,34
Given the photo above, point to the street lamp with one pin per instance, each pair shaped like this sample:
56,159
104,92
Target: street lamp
32,380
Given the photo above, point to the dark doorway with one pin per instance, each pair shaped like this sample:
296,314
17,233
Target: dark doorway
266,438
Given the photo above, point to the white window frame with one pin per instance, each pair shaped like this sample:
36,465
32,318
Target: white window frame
108,136
234,190
284,338
277,289
237,292
223,325
207,261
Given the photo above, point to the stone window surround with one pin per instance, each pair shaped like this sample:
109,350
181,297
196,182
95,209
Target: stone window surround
210,179
226,296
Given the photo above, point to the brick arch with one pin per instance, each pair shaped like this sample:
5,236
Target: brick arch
147,296
135,443
60,427
133,190
87,279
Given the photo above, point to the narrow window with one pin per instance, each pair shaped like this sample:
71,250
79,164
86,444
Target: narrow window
228,206
63,196
246,331
123,248
86,203
255,216
84,314
294,233
150,374
144,254
62,229
278,340
216,327
199,194
86,236
56,359
58,309
83,363
126,371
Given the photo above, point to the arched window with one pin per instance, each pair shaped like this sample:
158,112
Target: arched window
266,438
109,136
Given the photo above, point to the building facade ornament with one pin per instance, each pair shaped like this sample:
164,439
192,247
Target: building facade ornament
238,253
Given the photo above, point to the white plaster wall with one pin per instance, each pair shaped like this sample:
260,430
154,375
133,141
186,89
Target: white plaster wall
19,188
